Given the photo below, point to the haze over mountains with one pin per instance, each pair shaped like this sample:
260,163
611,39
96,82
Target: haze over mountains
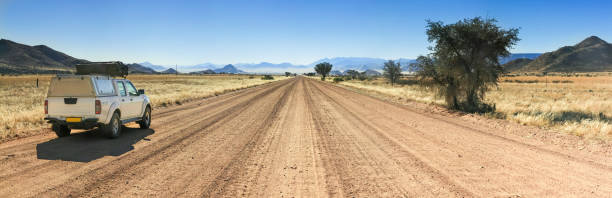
340,64
591,55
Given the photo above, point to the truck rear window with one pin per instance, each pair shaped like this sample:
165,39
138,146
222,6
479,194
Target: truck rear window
71,87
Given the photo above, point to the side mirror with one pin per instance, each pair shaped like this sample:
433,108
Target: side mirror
141,92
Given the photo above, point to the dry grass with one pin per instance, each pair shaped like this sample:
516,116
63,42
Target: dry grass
21,103
578,105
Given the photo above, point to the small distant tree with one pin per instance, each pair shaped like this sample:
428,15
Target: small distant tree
287,74
352,73
323,69
392,71
362,76
465,60
267,77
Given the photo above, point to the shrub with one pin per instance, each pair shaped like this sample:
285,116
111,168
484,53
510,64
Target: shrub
362,77
267,77
338,79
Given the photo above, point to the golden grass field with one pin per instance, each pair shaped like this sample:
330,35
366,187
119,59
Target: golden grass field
578,105
21,103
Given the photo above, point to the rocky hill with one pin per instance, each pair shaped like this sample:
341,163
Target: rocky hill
20,58
516,64
135,68
229,69
169,71
591,55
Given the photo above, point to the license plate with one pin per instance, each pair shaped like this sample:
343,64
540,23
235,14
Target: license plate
73,119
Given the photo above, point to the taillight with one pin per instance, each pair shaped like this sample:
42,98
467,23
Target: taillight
46,107
98,106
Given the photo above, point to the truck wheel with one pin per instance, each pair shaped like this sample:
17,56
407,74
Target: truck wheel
61,130
146,119
113,129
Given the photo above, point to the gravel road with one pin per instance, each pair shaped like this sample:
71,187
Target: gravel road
299,138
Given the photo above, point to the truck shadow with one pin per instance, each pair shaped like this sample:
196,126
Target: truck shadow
88,146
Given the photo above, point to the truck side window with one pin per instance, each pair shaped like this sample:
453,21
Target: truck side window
131,89
121,88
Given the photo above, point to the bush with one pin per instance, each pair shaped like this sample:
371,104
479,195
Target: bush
338,79
267,77
407,81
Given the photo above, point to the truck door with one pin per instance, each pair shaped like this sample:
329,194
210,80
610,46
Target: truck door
136,99
124,106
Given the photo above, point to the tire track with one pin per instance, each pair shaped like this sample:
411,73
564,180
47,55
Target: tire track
235,165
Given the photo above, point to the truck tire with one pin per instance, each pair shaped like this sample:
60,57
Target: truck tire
113,128
61,130
145,122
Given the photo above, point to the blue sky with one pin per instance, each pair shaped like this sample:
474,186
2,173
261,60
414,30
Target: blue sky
300,32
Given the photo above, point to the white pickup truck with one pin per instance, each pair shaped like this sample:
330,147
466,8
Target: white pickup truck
88,101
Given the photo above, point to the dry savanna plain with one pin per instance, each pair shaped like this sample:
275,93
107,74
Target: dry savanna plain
577,104
21,102
301,137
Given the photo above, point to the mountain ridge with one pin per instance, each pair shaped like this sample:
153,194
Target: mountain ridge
593,54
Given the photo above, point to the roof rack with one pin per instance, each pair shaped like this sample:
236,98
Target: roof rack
114,68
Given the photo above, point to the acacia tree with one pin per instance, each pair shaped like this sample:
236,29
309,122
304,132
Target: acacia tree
323,69
464,63
352,73
392,71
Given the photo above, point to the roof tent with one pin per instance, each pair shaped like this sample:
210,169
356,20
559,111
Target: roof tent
114,69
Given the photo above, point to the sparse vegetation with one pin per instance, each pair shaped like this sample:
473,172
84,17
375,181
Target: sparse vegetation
582,107
268,77
338,79
21,103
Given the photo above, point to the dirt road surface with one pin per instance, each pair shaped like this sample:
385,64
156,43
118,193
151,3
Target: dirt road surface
299,138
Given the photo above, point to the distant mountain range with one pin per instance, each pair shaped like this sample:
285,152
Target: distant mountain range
591,55
518,56
152,66
339,63
140,69
169,71
229,69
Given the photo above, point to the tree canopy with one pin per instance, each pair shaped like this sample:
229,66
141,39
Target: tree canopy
392,71
464,62
323,69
